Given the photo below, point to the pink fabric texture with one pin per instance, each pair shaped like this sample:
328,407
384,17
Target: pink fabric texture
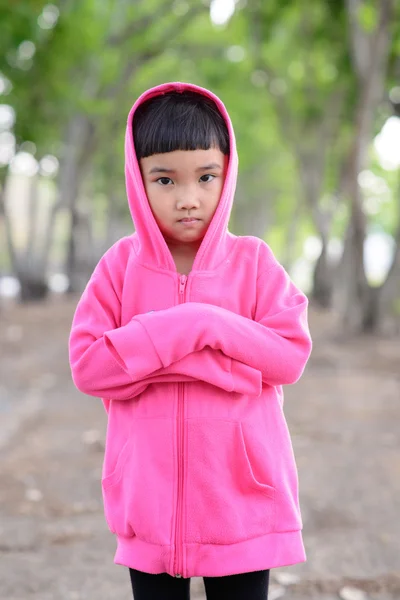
199,477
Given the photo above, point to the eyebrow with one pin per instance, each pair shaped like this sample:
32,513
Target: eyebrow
210,167
161,170
165,170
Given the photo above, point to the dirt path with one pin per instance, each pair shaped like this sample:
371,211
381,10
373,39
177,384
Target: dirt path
54,543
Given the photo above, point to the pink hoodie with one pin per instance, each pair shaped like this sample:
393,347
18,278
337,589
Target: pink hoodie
199,477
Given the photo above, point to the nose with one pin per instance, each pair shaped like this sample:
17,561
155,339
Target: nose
187,199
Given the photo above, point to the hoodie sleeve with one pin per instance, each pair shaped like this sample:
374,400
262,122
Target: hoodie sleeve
210,366
277,342
98,370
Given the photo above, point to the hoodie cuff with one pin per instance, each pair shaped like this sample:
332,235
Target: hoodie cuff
246,379
133,349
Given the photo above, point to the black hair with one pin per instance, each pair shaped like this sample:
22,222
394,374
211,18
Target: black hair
178,121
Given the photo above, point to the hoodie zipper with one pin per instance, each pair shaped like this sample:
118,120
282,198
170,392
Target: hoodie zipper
179,503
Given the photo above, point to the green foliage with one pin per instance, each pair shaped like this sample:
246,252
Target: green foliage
282,68
368,16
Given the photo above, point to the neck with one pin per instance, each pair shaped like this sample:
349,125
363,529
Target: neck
184,250
183,255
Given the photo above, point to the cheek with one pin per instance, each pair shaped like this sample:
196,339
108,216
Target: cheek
155,200
215,200
160,208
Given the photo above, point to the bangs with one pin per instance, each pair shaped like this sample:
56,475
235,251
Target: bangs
178,121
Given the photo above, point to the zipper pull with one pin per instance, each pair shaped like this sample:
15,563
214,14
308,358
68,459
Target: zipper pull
182,284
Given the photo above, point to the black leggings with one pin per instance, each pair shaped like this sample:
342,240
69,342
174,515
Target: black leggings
246,586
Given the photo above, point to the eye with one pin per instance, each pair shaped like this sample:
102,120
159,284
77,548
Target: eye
164,181
207,178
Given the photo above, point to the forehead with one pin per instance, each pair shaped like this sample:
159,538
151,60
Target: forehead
183,160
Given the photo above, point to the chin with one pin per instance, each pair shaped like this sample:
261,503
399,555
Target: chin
191,240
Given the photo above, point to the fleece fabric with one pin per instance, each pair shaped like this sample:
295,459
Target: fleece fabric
199,477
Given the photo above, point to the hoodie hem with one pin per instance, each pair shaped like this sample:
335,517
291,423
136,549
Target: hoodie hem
214,560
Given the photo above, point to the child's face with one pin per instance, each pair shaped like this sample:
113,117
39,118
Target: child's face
183,188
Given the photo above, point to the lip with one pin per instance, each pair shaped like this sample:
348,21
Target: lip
188,220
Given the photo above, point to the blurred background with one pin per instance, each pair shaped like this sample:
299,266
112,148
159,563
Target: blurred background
313,90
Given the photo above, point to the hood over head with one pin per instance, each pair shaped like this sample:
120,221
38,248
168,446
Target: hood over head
153,249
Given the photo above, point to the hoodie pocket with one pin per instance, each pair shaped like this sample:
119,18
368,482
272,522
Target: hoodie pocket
226,502
113,492
138,493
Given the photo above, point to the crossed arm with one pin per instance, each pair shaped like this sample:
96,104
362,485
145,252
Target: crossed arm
188,342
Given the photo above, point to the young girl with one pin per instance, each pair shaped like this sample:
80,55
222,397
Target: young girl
188,333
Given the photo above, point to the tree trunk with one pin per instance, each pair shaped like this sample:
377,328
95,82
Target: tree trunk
323,279
6,221
388,294
78,148
370,57
354,282
32,287
32,281
33,201
312,171
72,253
289,255
31,275
67,178
79,264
